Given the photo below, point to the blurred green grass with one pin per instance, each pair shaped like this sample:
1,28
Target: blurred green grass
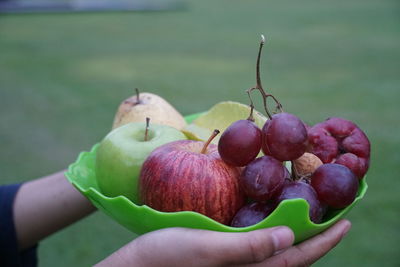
63,76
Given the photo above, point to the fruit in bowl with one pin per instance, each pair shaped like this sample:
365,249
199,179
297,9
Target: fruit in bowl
121,153
338,143
147,105
190,175
141,219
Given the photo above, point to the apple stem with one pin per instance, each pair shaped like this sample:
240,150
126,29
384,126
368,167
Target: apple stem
259,84
146,132
214,134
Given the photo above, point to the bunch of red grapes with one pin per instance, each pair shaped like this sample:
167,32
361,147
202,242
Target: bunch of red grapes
343,148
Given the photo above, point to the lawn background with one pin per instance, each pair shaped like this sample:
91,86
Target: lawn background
62,77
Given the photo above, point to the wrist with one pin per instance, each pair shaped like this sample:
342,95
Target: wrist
127,255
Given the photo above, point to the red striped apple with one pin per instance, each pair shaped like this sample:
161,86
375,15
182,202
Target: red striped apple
189,175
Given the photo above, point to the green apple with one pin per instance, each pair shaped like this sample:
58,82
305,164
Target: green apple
121,154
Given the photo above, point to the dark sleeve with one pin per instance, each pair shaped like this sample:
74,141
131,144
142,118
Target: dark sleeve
9,252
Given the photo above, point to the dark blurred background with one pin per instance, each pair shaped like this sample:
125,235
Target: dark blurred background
63,75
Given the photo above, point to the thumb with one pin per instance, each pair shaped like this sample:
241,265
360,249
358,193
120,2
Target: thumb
245,248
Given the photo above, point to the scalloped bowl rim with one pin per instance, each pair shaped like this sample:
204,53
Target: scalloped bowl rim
98,199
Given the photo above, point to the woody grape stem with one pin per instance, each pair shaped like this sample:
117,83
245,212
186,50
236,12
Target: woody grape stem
259,86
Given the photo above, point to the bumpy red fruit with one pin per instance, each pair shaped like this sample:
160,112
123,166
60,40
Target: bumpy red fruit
240,143
263,178
335,184
340,141
252,213
284,137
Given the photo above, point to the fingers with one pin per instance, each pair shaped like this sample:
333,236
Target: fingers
190,247
313,249
321,244
244,248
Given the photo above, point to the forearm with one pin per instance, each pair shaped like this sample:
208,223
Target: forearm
46,205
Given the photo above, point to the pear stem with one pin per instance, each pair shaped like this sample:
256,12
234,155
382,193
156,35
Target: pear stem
214,134
137,95
146,132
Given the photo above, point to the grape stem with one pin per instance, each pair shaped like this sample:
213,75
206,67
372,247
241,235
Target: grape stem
146,132
251,117
214,134
260,88
295,174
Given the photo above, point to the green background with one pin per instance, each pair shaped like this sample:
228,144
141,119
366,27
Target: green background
62,77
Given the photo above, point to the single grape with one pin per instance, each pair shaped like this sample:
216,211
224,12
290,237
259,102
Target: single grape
284,137
297,189
252,213
263,178
335,184
240,143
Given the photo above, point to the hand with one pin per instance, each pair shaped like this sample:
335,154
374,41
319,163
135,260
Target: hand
190,247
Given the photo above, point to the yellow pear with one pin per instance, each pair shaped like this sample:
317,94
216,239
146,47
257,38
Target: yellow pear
136,108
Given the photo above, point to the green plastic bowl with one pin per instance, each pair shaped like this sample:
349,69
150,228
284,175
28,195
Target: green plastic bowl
141,219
